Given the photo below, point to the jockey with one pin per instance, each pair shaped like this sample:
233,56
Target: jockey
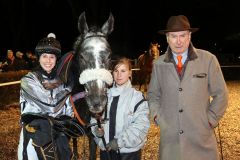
43,94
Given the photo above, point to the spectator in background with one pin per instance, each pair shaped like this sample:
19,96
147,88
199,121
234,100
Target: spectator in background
8,64
20,63
31,60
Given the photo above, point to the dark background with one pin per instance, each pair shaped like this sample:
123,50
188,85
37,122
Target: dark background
25,22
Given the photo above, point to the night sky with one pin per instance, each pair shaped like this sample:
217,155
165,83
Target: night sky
25,22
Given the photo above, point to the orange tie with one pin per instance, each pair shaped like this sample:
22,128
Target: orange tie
179,65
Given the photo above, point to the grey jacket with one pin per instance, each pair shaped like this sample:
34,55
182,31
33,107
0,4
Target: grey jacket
131,127
186,106
36,99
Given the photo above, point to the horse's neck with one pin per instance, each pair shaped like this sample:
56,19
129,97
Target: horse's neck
148,58
145,61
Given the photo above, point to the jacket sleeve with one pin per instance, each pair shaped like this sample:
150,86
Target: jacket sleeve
154,93
28,85
69,108
136,132
98,140
32,97
218,92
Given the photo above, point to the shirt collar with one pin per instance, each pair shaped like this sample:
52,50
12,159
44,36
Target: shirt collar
184,56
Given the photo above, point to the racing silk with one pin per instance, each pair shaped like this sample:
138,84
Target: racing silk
131,126
37,97
41,95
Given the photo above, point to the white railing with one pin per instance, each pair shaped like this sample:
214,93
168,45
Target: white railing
9,83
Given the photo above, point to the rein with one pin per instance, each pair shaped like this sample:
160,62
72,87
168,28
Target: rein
76,113
82,39
67,61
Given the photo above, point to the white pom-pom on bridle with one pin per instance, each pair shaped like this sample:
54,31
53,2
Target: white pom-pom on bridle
51,35
95,74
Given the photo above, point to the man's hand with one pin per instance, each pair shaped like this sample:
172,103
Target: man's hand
112,145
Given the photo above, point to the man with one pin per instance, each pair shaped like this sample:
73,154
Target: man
9,63
187,96
20,63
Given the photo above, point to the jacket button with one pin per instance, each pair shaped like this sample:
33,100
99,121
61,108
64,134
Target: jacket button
180,110
181,132
180,89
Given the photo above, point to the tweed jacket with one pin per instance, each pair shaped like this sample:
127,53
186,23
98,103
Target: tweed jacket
189,106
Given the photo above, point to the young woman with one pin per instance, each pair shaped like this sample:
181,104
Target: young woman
42,95
127,121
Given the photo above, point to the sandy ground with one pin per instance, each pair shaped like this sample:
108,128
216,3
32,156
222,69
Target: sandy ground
228,132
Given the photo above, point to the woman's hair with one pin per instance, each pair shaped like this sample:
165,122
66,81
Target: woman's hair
121,60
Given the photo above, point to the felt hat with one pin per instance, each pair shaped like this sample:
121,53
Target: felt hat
178,23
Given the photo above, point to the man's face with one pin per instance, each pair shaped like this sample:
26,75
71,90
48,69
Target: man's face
10,54
179,41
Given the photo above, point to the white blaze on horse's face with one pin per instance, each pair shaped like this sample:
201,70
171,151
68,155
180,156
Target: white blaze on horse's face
94,51
99,46
100,51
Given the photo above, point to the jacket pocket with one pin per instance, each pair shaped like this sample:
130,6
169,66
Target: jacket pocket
200,75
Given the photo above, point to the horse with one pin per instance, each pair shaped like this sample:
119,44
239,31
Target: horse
144,63
87,68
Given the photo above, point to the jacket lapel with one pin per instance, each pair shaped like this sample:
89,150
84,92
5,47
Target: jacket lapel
188,71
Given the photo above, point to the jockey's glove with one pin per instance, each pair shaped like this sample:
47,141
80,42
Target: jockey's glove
99,132
112,145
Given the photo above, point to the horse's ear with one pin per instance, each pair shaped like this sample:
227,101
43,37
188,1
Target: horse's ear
82,24
108,26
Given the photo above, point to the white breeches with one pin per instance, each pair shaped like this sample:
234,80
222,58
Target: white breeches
32,155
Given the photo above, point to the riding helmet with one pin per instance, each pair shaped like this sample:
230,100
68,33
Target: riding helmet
49,45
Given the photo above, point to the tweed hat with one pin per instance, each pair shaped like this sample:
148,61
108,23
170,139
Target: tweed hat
50,45
178,23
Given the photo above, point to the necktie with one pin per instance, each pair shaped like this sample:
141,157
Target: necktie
179,65
112,117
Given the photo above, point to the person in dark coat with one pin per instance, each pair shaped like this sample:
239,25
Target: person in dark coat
8,64
20,63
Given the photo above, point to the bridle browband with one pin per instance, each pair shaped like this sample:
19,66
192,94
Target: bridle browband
94,36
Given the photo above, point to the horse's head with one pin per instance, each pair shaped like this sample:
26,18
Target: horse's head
154,50
93,54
